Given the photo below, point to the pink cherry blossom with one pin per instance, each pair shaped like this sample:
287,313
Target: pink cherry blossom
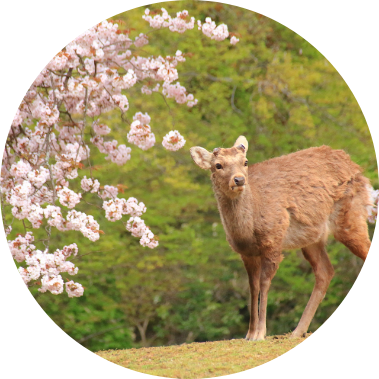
8,229
54,217
179,93
179,24
141,40
117,154
209,28
54,284
35,215
89,185
100,129
115,208
133,208
86,224
234,40
43,264
173,141
148,240
68,198
140,132
121,101
22,246
20,169
74,289
136,226
109,192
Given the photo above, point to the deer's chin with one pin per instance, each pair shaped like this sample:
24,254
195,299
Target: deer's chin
236,191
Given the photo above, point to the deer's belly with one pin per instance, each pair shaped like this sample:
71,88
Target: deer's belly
299,235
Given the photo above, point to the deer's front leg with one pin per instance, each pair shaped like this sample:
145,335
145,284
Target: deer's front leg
253,269
269,267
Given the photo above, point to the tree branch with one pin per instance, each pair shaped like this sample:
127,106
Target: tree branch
232,101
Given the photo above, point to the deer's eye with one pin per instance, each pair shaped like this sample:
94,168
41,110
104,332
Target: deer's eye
246,162
218,166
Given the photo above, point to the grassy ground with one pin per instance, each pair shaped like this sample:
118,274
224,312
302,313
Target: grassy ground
202,360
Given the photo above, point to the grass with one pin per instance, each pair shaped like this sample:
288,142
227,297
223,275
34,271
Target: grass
202,360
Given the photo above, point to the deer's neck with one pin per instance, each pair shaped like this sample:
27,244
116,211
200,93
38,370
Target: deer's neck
237,215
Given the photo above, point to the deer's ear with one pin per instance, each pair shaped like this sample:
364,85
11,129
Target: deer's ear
201,157
242,143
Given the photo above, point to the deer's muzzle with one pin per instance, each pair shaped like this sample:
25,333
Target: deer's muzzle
239,181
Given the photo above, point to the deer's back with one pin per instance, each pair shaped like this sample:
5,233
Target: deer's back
302,189
317,173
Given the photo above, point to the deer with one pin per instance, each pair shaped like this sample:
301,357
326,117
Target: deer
294,201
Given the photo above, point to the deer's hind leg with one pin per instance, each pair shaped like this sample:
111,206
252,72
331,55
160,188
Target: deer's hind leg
317,256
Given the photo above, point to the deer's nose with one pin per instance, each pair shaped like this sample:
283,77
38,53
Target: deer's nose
239,180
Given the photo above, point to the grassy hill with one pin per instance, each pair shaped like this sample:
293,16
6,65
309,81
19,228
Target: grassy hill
202,360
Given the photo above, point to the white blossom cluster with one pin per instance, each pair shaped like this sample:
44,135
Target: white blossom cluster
22,246
177,24
179,93
45,266
173,141
140,132
219,33
23,170
117,154
141,135
68,198
100,129
141,40
234,40
148,240
114,209
137,227
109,192
89,185
54,218
148,91
8,229
86,224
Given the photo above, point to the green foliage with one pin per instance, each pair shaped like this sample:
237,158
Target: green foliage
283,95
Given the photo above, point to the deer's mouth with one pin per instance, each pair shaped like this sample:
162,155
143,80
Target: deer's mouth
238,188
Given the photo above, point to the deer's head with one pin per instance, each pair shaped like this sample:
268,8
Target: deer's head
228,166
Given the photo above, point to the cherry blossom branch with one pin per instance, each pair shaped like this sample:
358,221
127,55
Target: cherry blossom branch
45,146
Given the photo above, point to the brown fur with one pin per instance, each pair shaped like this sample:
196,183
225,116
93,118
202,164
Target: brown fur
293,201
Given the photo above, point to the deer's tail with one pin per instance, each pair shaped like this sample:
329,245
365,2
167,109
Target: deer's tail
372,208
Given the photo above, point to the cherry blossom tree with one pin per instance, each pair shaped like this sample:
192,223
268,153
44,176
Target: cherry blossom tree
46,148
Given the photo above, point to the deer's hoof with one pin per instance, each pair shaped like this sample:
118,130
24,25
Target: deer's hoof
298,334
254,337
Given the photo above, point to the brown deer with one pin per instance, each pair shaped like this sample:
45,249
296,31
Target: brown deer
293,201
